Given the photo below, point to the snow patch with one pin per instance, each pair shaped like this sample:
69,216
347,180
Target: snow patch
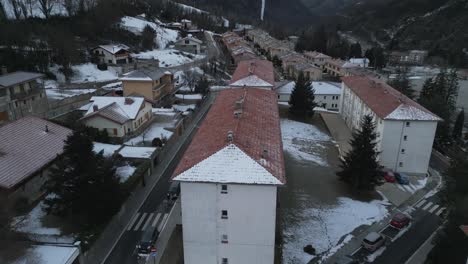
189,96
32,222
168,57
125,172
164,36
86,72
156,130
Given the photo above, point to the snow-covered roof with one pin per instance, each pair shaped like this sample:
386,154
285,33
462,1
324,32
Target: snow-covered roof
386,102
359,60
137,152
325,88
254,154
18,77
229,165
114,48
144,75
252,81
49,254
190,38
108,149
286,88
119,109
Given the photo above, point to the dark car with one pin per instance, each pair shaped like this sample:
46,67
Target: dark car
174,191
147,242
400,220
346,260
389,177
402,178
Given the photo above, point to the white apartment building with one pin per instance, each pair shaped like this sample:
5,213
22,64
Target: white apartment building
229,177
405,129
327,94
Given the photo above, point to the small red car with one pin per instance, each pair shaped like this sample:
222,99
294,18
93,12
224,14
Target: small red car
389,177
400,220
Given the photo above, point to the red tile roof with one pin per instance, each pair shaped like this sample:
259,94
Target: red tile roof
257,130
261,68
25,148
380,97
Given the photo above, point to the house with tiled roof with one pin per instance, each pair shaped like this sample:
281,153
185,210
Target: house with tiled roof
339,68
112,53
405,129
255,73
119,116
28,149
229,176
310,71
317,58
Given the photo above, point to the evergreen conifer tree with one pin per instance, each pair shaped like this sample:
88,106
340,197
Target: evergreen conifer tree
302,97
360,168
402,84
458,127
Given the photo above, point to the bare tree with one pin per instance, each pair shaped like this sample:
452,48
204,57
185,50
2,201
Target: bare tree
46,7
191,78
69,6
30,6
16,8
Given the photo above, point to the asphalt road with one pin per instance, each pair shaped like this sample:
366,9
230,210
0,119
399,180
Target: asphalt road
124,250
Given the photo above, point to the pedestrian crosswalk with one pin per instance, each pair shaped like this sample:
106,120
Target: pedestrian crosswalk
142,221
407,188
430,207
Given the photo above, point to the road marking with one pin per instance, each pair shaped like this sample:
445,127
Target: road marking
135,217
429,204
156,219
433,208
148,220
356,251
421,203
140,222
401,188
440,211
162,222
412,187
407,188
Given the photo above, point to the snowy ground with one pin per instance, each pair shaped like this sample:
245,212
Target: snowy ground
47,254
86,72
32,222
125,172
189,96
156,130
164,111
113,86
168,57
164,36
324,227
304,141
183,108
59,94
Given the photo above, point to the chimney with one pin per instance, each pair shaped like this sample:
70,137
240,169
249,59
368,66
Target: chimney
265,153
128,101
46,128
239,103
230,136
95,108
238,113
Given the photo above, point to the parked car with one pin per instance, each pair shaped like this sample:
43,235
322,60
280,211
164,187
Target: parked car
174,191
389,177
373,241
346,260
402,178
400,220
147,242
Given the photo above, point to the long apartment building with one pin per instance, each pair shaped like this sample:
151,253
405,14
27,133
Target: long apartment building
229,177
405,129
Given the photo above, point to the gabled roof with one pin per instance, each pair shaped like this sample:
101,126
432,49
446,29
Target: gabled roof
261,69
18,77
115,108
113,49
190,37
326,88
255,153
305,66
26,147
316,55
386,102
144,75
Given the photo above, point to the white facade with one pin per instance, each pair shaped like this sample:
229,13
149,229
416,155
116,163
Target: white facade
405,145
112,54
242,236
327,94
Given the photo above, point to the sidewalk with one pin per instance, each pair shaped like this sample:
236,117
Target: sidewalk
339,131
358,234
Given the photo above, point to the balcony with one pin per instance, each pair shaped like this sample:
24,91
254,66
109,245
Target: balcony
34,90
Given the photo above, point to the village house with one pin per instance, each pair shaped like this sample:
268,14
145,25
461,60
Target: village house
339,68
112,54
189,44
119,116
327,94
22,94
317,58
237,48
289,59
155,85
412,57
186,24
229,179
28,149
253,73
310,71
405,129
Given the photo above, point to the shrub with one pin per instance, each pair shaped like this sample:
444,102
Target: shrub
102,66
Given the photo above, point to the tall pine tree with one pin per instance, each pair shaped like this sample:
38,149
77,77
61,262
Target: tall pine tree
360,168
402,84
302,98
458,127
83,184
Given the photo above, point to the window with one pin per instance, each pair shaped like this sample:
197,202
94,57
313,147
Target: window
187,41
325,97
224,214
408,124
224,261
224,239
224,188
403,151
401,164
115,131
405,138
